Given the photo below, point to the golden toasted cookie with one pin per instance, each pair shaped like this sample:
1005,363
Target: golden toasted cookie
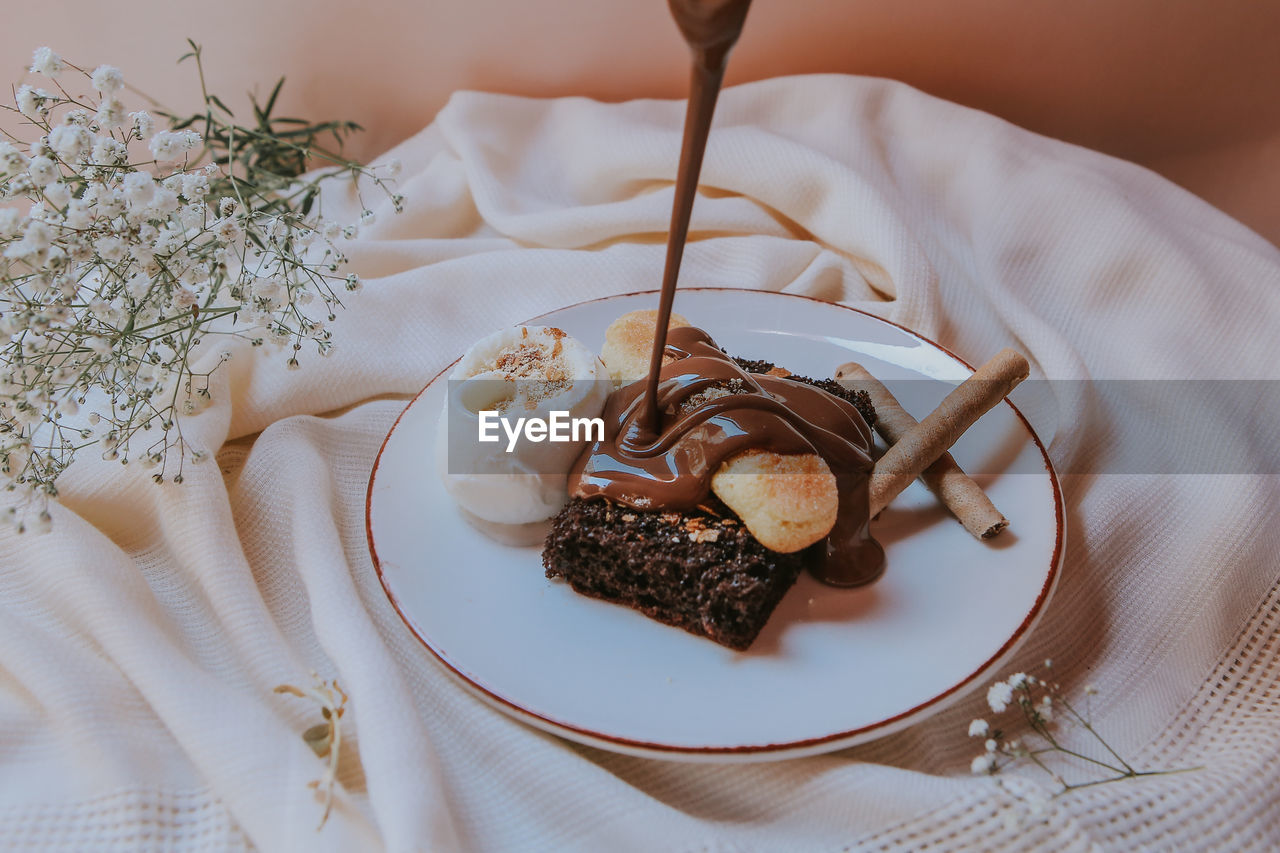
628,344
788,502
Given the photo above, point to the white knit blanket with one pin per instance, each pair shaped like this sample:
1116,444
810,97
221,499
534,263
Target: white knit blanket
141,639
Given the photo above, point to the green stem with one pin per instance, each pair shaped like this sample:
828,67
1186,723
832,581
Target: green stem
1089,728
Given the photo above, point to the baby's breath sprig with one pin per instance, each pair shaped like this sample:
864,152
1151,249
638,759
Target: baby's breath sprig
263,163
325,739
1046,711
126,252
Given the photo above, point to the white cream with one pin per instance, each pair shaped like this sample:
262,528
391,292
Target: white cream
529,372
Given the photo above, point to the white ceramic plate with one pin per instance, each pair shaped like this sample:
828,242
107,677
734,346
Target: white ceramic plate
832,668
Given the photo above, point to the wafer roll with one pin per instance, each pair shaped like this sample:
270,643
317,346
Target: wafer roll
924,443
960,494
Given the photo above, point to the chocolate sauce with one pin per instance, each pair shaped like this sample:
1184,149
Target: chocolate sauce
711,27
662,445
672,467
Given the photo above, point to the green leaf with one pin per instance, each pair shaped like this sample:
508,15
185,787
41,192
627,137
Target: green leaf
218,102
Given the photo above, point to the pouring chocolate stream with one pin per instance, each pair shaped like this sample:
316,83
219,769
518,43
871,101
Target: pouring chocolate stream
711,28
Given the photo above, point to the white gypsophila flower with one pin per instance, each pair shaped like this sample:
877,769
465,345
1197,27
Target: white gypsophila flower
184,298
142,123
1045,708
978,728
991,745
11,159
139,189
145,256
80,118
138,285
228,229
228,207
30,101
195,186
111,204
111,249
10,222
110,113
45,61
57,194
42,170
305,237
79,247
1018,680
163,244
394,167
107,79
985,763
271,292
29,416
17,186
38,235
173,144
999,696
69,141
192,215
109,152
164,202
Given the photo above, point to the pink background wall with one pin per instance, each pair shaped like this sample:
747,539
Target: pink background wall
1187,88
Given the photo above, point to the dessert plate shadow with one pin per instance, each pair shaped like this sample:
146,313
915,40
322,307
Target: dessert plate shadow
832,668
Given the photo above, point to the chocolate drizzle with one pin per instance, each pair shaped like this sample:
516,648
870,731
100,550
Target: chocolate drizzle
699,430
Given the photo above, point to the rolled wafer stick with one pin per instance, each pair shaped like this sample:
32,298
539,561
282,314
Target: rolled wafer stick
933,436
960,494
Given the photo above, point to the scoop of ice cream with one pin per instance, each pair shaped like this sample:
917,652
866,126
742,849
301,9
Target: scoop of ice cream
525,372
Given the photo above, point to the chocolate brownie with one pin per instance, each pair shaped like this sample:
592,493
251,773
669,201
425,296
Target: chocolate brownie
697,569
